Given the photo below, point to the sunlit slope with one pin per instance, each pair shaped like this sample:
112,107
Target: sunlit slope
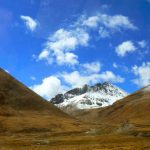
23,110
134,108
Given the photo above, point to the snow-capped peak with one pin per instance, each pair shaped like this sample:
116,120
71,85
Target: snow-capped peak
89,97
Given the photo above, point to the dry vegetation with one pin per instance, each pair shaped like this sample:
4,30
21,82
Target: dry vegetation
46,141
28,122
23,110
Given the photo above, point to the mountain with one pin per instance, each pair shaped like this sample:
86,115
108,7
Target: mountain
22,110
89,97
131,112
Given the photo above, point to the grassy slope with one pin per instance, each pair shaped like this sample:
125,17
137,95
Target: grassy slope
22,110
133,108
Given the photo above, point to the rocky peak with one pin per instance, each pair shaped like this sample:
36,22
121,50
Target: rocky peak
106,84
96,96
57,99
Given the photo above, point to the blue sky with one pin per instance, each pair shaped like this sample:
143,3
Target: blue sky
54,45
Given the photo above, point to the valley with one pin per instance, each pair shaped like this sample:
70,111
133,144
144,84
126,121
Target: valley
29,122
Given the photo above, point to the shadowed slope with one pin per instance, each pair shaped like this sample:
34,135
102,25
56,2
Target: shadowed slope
16,95
23,110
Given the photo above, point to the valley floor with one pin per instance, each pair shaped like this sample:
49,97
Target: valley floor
72,141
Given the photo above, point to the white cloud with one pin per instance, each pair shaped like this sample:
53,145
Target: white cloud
106,24
77,79
125,47
61,43
104,33
30,22
110,76
61,46
52,85
49,87
45,55
143,74
67,58
33,78
115,65
142,43
91,21
93,67
117,22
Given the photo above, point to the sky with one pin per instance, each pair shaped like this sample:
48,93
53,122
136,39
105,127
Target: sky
55,45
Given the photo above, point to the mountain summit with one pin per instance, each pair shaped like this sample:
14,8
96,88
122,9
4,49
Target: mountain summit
89,97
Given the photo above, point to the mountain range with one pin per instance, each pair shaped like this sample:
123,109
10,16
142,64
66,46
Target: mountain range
102,116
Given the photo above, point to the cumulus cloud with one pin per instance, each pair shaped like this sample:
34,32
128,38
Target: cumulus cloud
30,23
67,58
49,87
44,55
110,76
91,21
106,24
115,22
125,47
143,74
62,44
77,79
93,67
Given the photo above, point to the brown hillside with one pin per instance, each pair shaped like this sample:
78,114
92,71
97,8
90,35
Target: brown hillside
23,110
134,109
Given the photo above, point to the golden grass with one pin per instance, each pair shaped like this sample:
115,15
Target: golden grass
22,110
44,141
